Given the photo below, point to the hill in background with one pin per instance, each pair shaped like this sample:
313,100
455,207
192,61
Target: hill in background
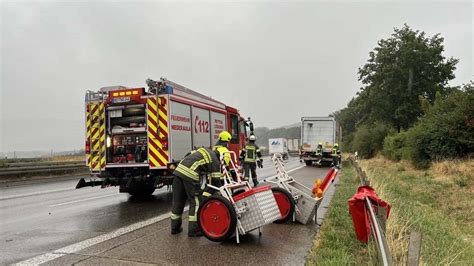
289,132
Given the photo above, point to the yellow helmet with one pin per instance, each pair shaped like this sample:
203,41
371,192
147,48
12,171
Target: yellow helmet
336,145
320,144
225,136
223,150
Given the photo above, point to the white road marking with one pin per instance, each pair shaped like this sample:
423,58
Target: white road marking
81,200
35,193
92,241
102,238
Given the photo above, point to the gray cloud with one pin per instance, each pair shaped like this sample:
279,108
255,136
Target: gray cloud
273,61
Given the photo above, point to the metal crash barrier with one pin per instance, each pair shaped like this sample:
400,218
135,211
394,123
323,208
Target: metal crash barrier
369,214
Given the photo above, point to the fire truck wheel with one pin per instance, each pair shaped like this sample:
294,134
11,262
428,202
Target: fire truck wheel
217,218
286,204
141,190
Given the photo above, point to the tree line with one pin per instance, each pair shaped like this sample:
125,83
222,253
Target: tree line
406,108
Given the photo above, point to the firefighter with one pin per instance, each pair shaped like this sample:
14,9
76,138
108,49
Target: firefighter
249,157
215,180
189,174
223,141
336,156
319,150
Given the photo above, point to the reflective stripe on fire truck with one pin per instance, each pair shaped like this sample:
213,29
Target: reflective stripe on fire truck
88,134
157,111
96,135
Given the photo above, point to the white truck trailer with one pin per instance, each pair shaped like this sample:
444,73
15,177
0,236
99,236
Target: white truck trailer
278,145
316,130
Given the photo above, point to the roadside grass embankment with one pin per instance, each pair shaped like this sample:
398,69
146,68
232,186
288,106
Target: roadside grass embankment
336,243
438,202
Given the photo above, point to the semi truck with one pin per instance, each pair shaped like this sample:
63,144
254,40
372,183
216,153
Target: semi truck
315,130
135,137
278,145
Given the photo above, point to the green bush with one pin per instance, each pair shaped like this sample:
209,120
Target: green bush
368,140
395,146
445,132
347,142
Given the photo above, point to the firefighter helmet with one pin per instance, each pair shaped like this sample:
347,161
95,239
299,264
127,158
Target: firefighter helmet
336,145
252,138
224,151
320,144
225,136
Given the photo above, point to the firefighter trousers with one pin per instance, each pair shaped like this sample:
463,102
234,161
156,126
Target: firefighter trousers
251,168
185,190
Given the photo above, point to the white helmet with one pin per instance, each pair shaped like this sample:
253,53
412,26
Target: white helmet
253,138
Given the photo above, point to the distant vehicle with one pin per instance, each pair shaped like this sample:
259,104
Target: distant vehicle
316,130
279,145
135,138
293,146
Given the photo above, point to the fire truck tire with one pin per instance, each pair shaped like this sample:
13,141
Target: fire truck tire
217,218
308,162
285,203
141,190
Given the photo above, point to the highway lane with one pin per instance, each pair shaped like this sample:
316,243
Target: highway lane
152,243
40,217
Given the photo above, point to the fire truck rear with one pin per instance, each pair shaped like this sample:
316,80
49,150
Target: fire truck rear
135,137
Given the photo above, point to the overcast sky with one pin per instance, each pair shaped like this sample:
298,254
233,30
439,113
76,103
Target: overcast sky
274,61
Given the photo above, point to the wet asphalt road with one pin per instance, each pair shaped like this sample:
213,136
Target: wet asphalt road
280,244
38,217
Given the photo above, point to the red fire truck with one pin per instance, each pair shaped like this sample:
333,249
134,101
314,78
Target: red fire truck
135,137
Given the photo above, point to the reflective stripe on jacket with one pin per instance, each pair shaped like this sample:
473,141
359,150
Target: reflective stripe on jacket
251,152
201,162
319,150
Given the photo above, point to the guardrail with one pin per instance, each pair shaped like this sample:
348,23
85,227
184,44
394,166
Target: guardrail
377,220
39,167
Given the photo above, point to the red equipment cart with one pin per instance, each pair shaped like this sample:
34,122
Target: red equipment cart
237,208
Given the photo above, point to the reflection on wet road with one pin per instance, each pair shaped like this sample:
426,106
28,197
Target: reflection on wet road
40,217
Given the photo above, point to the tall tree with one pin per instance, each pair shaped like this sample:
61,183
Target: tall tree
401,70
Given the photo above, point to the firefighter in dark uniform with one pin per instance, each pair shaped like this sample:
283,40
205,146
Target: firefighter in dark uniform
249,157
336,156
319,150
189,174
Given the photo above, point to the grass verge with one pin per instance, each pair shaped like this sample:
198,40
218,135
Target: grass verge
336,243
438,202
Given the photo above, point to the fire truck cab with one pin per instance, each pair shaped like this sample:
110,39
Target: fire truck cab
136,137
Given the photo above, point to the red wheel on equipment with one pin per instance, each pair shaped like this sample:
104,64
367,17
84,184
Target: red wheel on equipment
217,218
285,203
